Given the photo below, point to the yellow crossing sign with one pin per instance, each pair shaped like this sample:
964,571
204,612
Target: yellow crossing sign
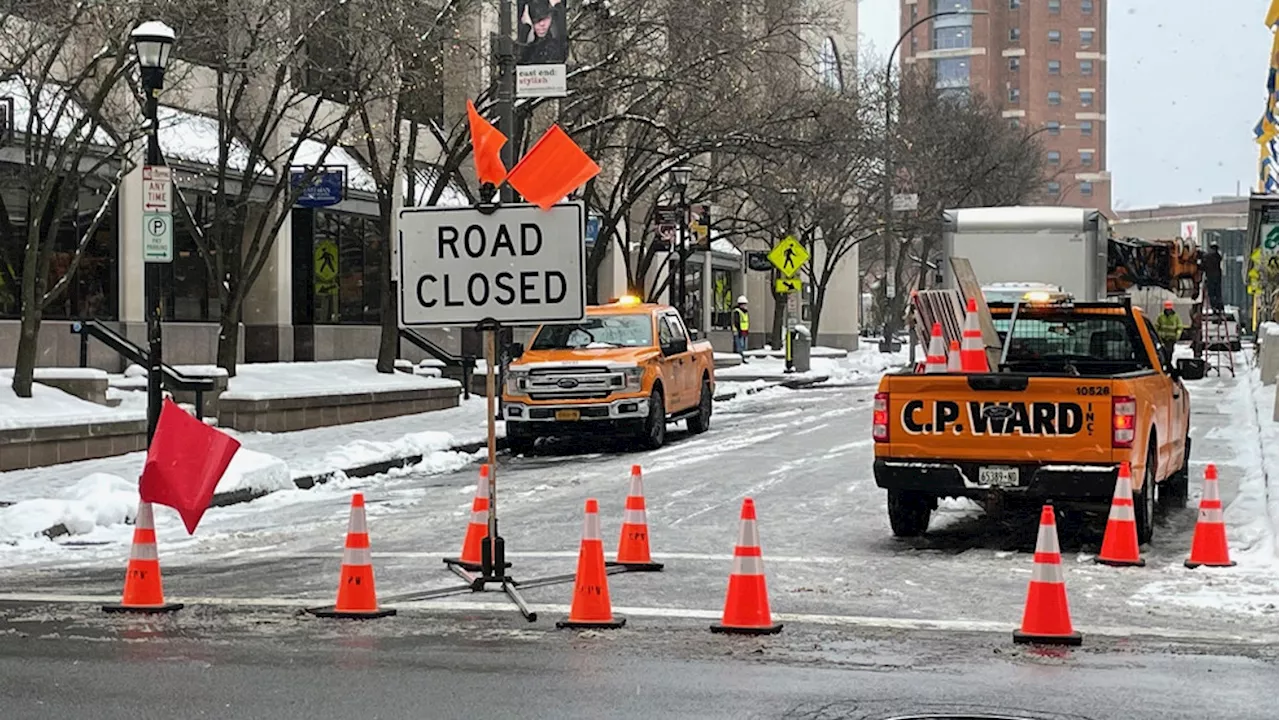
789,256
786,286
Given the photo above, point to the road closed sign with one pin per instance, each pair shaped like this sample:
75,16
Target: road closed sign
516,265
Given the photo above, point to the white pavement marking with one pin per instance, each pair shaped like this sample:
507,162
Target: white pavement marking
679,613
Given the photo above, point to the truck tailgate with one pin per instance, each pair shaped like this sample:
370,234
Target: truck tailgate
1011,418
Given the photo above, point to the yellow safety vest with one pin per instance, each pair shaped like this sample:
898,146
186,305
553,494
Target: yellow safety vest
744,320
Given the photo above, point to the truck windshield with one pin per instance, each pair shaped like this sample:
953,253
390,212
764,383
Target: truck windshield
1076,342
597,332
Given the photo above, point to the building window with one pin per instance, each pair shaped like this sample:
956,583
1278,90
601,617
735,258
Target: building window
343,263
951,72
1055,97
1055,6
1055,67
94,290
1054,188
1053,127
1054,157
1015,4
1086,6
1086,187
1014,95
1015,123
1086,158
1086,98
1086,67
937,6
1015,35
1086,38
1055,36
189,289
1014,64
1086,128
950,38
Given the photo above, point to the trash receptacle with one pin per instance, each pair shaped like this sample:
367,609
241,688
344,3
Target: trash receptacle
801,342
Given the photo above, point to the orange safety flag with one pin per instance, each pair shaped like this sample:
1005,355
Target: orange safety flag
486,147
554,167
184,464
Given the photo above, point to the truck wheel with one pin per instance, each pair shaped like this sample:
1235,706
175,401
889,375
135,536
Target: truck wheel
1174,491
654,434
701,422
1144,505
519,442
909,512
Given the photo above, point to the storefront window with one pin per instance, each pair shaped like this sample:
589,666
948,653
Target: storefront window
190,292
346,268
722,292
93,292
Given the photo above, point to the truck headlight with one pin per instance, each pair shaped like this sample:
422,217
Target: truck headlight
517,382
634,378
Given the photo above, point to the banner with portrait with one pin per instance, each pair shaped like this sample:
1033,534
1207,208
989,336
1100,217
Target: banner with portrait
542,48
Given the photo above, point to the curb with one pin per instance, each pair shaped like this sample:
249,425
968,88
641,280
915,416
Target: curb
804,384
306,482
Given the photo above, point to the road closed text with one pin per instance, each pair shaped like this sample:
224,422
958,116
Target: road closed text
478,289
512,265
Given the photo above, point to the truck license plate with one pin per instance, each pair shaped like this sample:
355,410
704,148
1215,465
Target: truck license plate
998,476
568,414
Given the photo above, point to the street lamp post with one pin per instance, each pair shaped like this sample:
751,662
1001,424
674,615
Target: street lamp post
153,42
680,176
886,344
789,197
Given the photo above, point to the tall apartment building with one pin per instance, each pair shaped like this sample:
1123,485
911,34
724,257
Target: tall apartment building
1043,62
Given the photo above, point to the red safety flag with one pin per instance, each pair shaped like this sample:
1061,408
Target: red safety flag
486,147
184,464
554,167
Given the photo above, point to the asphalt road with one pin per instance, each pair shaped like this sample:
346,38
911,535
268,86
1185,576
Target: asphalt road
234,664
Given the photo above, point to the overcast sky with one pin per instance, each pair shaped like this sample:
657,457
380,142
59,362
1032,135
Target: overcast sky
1186,83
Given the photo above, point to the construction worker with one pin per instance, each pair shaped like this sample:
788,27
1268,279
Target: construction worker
741,326
1169,328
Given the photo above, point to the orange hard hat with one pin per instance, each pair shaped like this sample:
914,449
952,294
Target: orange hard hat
1168,304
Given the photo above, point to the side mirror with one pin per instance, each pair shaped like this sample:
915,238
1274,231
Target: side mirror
675,347
515,350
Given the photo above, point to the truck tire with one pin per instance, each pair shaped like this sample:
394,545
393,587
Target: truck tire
654,433
1144,505
519,442
1174,490
909,512
701,422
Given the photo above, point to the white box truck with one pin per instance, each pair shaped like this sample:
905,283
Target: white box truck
1062,246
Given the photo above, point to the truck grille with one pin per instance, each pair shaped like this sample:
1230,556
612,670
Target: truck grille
579,383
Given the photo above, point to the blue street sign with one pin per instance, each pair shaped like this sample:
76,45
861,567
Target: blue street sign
324,188
593,230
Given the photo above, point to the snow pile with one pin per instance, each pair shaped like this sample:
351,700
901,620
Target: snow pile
255,471
270,381
428,444
50,406
97,500
865,362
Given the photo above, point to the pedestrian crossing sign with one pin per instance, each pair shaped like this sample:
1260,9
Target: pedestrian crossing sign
786,286
788,256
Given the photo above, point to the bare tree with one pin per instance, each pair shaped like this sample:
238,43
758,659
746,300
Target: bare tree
63,73
952,150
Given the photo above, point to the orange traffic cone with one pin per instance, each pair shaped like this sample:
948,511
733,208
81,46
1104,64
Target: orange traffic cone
1046,619
633,546
953,357
1120,542
477,527
936,360
143,588
1209,543
973,352
746,605
356,595
591,607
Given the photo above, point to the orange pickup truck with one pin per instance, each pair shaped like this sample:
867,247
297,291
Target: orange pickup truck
627,368
1080,389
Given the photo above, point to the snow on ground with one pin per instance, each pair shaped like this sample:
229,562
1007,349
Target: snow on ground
1251,587
859,365
49,406
267,381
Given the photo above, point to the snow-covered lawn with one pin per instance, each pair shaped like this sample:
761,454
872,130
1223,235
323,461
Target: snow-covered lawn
48,406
